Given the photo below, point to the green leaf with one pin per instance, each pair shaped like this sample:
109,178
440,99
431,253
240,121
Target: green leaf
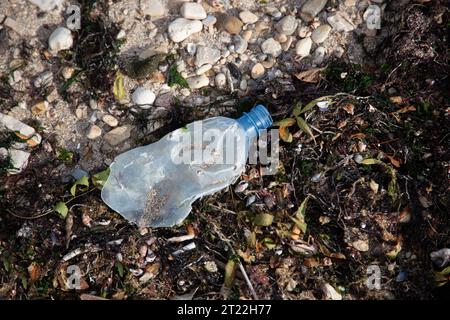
62,209
304,126
299,217
297,109
285,122
269,243
119,87
230,271
263,219
99,179
119,267
445,272
83,181
176,78
370,161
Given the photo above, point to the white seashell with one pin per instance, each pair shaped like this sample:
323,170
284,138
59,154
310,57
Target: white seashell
143,97
60,39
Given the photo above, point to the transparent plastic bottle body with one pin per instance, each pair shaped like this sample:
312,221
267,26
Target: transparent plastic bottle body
155,185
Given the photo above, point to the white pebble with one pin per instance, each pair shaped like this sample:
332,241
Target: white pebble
60,39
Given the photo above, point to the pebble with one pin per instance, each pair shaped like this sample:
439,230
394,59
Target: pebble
45,79
14,25
319,55
303,32
198,82
18,160
303,47
229,23
94,132
192,10
209,21
67,72
203,69
271,47
248,17
281,37
287,44
60,39
181,28
46,5
40,108
257,71
240,44
321,33
247,34
287,25
220,80
143,97
243,85
110,120
206,55
153,8
12,124
118,135
340,23
165,100
311,8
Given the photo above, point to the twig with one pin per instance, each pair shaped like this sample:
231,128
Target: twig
30,218
241,267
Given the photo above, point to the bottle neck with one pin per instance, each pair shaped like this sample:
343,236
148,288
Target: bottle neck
257,119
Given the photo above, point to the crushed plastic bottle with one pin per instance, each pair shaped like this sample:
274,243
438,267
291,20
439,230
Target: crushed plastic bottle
155,185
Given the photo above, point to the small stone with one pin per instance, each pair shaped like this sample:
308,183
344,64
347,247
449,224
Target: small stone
45,79
143,97
60,39
340,23
46,5
280,37
181,28
165,100
269,63
203,69
257,71
209,21
287,25
287,44
220,80
243,85
39,108
193,11
271,47
350,3
118,135
229,23
240,44
153,8
14,25
247,34
198,82
321,33
303,47
18,160
319,55
14,125
329,293
67,72
110,120
304,32
94,132
206,55
211,266
261,25
248,17
311,8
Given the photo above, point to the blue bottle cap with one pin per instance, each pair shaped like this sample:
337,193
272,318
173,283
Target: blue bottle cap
257,119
